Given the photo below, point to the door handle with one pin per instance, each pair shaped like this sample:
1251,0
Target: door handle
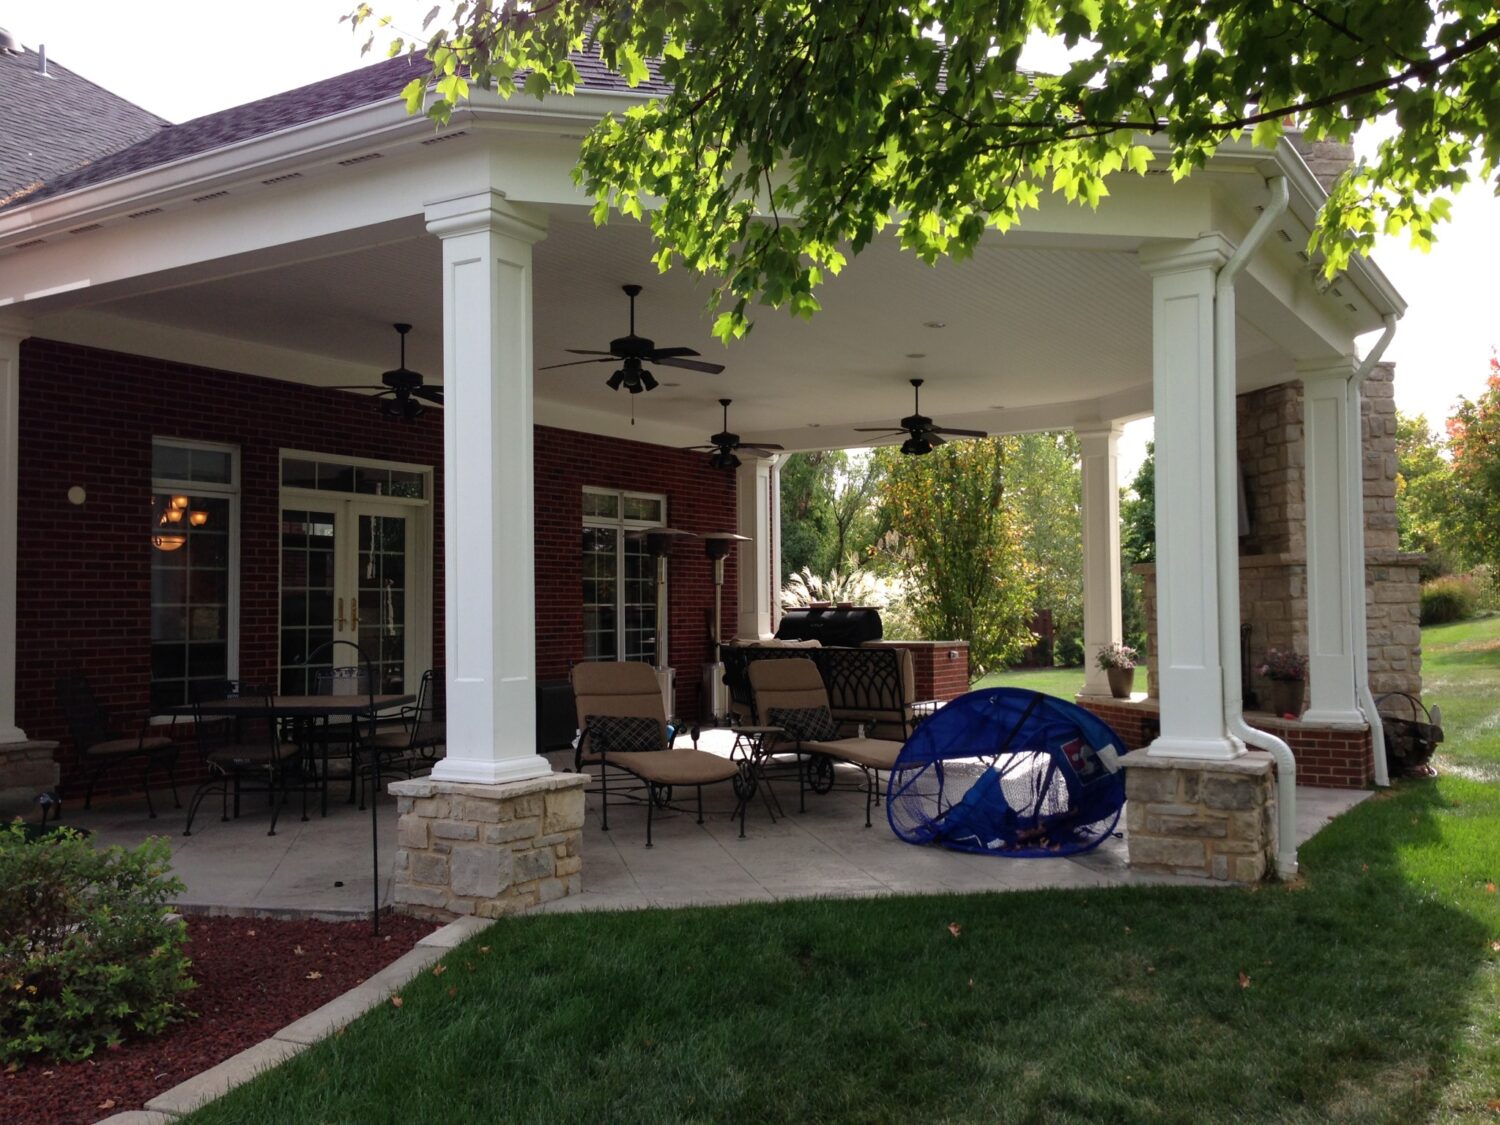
354,615
341,615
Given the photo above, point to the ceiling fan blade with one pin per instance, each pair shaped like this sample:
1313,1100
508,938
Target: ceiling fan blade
877,430
692,365
958,433
431,394
659,354
762,446
578,362
933,438
699,448
587,351
357,387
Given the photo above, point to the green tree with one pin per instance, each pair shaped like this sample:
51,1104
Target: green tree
1045,489
957,545
807,483
1474,438
1138,513
1423,489
915,113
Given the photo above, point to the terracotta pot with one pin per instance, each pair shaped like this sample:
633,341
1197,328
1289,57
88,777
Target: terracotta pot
1286,697
1121,681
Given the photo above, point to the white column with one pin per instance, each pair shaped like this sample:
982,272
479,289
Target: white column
1100,454
487,482
1329,494
775,542
11,335
753,518
1187,592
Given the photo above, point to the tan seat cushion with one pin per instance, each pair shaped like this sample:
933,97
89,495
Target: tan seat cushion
258,754
872,753
129,745
676,767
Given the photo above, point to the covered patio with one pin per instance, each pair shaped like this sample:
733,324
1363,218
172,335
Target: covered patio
256,264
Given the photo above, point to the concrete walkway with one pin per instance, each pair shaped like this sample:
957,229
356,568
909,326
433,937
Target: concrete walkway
321,868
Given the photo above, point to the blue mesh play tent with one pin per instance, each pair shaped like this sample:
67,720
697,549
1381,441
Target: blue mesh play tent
1009,772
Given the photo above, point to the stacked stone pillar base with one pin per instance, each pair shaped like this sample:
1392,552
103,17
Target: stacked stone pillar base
1207,818
487,850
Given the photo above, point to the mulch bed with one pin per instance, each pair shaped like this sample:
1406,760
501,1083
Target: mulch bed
254,977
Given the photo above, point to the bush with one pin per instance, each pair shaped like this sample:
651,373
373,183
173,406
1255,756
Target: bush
86,956
1454,598
1069,651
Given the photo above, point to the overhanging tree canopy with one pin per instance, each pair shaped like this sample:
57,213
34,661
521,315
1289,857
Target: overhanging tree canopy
853,116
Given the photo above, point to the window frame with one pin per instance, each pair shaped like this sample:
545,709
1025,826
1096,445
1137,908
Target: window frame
623,526
231,493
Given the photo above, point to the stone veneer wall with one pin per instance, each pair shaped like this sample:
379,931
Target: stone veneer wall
1214,819
26,769
487,850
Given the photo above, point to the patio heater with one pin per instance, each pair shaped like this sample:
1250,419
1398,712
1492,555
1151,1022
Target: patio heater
715,694
659,544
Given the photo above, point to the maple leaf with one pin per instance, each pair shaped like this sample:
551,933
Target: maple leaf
1495,947
439,969
297,949
249,933
484,949
1127,929
314,975
107,1103
396,1001
1244,979
1490,887
955,929
1150,970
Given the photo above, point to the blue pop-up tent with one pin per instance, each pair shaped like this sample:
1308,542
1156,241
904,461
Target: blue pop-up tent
1006,771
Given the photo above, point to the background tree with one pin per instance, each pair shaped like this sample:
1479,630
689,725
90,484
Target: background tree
1474,438
1138,512
958,547
1045,490
807,484
1424,515
914,113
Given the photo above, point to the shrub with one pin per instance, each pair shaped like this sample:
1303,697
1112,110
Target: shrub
86,955
1068,652
1453,598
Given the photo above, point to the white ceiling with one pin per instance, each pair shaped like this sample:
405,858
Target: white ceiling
1025,326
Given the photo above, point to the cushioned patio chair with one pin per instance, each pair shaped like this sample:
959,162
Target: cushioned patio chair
789,694
246,749
101,747
623,726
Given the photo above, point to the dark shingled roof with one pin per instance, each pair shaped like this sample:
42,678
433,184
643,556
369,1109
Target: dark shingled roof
51,124
378,82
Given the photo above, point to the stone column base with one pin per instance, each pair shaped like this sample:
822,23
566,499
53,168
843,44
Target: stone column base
26,769
487,850
1209,818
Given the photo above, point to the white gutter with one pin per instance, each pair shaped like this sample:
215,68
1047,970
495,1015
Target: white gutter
1354,454
1226,481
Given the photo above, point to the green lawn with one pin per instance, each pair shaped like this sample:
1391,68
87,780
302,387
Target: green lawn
1369,990
1063,682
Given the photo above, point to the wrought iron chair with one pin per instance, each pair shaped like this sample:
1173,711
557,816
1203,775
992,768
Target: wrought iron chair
415,744
243,749
100,748
789,694
624,727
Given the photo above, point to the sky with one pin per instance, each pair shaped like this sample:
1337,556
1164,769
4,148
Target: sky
185,58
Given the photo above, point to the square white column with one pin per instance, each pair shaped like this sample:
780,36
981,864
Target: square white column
1100,454
11,335
1189,675
754,480
488,479
1330,497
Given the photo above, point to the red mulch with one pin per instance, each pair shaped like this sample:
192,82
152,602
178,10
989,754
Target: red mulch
254,977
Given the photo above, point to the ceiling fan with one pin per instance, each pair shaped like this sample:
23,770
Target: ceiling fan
636,351
723,444
921,435
401,388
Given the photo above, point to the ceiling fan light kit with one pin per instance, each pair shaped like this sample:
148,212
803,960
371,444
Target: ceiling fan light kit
721,446
922,434
402,388
634,352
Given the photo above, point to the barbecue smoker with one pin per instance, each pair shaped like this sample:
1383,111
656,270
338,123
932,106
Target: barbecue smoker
844,625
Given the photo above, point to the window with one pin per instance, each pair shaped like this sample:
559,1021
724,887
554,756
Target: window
619,585
194,567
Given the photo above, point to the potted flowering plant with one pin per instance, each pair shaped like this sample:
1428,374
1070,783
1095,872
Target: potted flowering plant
1287,671
1118,662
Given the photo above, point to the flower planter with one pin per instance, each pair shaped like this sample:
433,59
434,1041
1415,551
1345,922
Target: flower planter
1121,681
1286,697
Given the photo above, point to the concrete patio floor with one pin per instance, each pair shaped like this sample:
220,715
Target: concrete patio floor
322,868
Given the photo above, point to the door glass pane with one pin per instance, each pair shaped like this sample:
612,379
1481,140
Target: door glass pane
307,596
189,590
640,603
382,599
600,565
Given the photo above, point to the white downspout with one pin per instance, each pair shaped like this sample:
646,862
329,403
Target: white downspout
1227,487
1357,607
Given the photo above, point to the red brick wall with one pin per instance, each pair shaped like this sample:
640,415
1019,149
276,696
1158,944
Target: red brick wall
88,417
1129,723
698,499
937,677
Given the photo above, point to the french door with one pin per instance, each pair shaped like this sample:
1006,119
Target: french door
353,570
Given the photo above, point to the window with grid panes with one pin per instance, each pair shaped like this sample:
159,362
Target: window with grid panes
619,583
194,567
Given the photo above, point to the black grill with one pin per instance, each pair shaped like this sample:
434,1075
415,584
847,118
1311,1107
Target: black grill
831,625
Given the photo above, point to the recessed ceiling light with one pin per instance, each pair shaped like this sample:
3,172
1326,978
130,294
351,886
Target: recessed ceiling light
916,355
815,425
934,324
